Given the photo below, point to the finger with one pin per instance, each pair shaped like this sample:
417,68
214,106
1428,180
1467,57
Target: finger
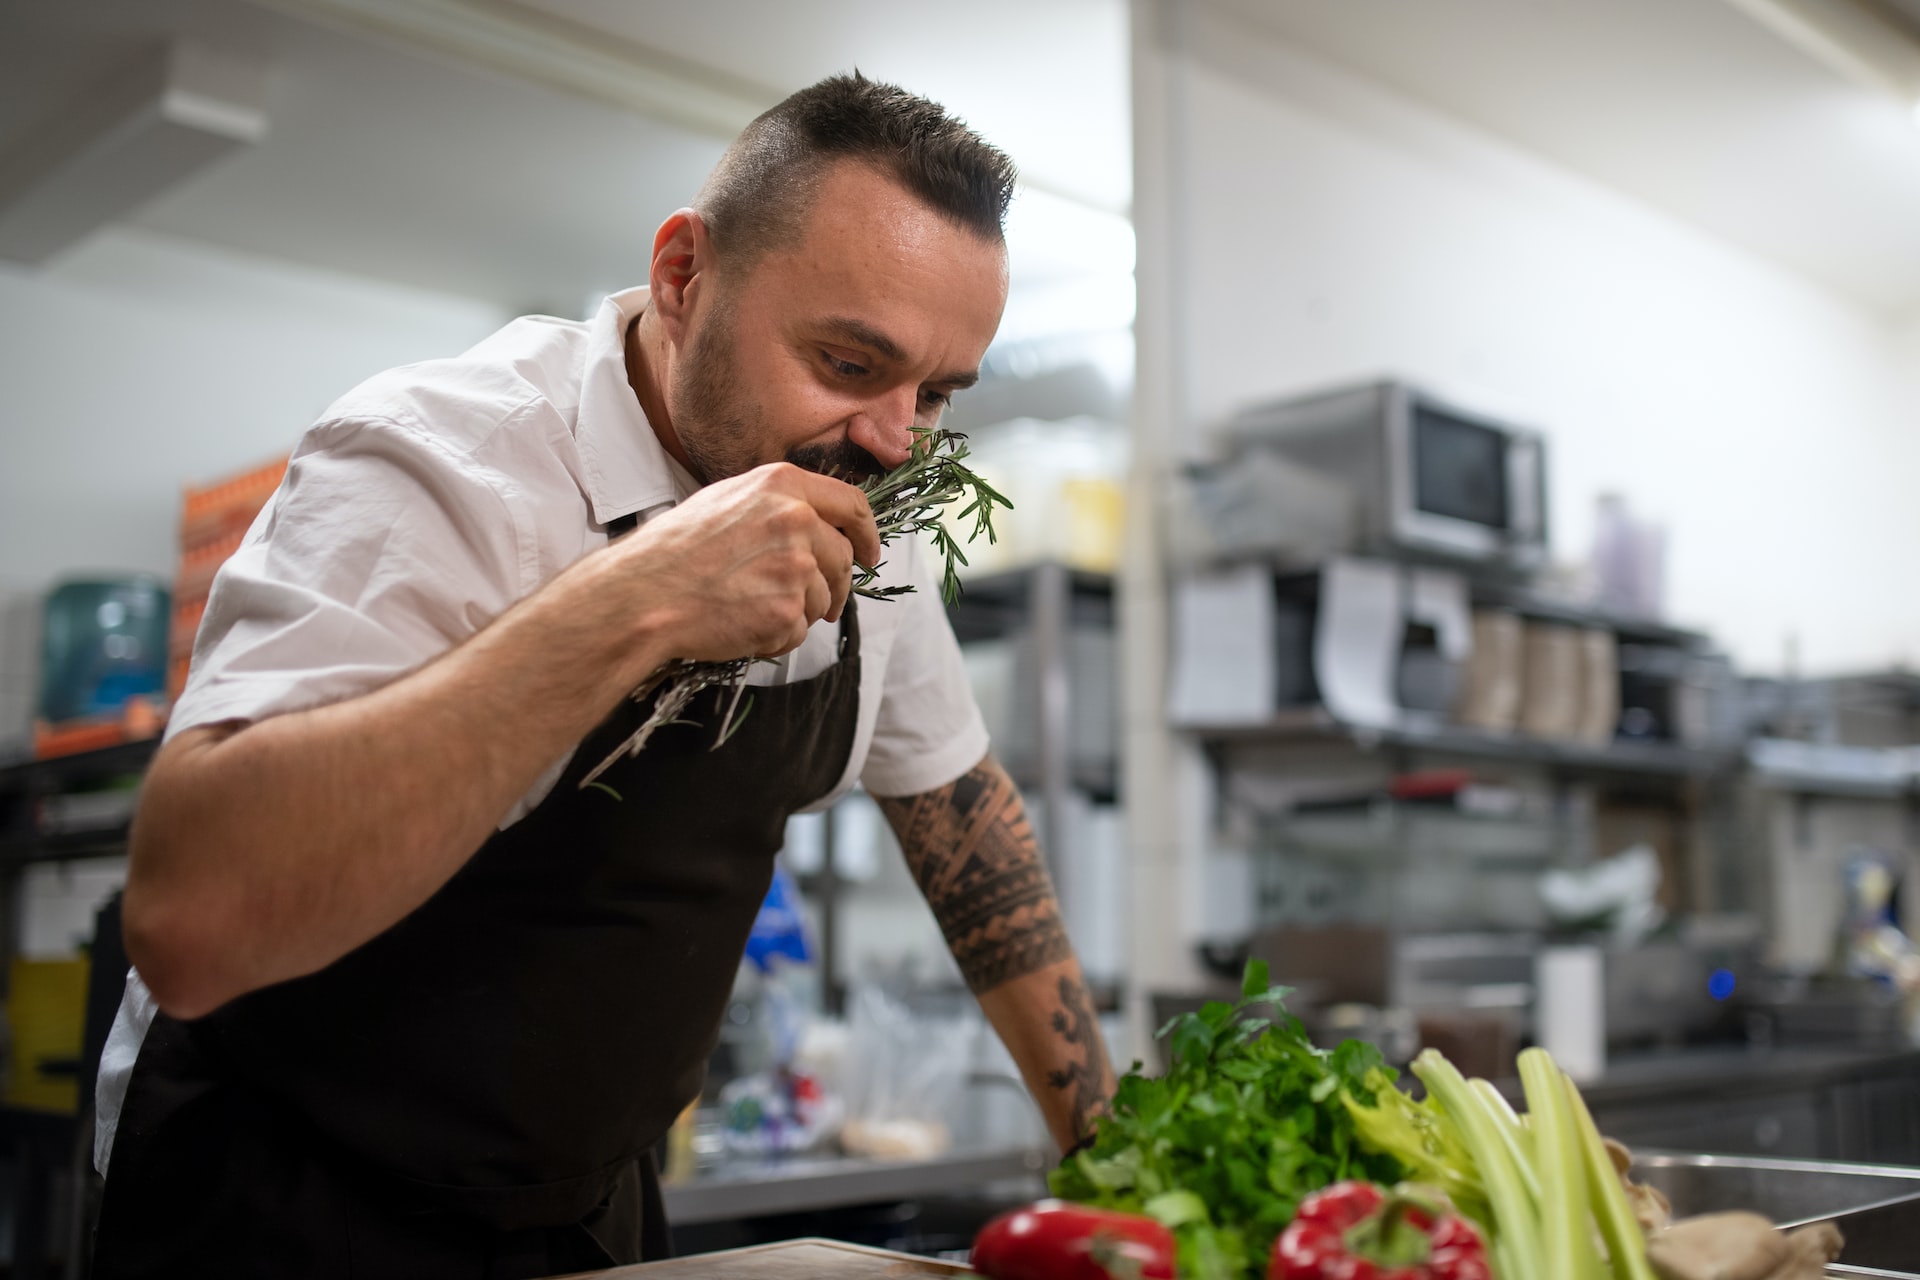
844,507
834,555
819,599
794,639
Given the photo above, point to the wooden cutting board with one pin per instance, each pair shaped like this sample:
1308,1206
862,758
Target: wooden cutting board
790,1260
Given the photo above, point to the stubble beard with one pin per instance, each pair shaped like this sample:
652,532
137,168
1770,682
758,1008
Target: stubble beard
719,424
715,423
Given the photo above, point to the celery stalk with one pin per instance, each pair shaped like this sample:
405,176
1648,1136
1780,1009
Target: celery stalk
1518,1141
1626,1243
1560,1162
1516,1226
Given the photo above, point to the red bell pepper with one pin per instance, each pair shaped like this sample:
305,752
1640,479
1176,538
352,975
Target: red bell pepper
1356,1231
1055,1240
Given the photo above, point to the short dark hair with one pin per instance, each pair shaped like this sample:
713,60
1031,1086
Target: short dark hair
759,195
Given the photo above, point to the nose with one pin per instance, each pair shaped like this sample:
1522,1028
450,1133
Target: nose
885,429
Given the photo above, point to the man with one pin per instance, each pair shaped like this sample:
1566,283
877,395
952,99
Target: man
410,1000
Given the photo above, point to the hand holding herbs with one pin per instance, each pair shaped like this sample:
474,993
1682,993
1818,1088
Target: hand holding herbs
915,497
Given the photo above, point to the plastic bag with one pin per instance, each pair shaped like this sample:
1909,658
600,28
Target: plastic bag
906,1072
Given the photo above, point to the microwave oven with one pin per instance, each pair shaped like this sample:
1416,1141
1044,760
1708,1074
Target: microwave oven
1430,480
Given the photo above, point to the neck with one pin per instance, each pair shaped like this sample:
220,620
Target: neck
646,355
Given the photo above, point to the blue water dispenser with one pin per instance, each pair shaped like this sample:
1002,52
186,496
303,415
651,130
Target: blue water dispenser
103,641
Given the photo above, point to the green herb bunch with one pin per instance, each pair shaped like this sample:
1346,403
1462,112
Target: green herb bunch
912,498
1249,1121
915,496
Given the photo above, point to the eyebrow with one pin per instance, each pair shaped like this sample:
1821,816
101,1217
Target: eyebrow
862,334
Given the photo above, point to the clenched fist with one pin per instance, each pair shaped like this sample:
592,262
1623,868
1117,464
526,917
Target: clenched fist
747,564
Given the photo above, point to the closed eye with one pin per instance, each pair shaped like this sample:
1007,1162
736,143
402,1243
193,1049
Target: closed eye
844,368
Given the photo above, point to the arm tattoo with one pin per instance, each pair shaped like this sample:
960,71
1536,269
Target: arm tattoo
972,850
1075,1023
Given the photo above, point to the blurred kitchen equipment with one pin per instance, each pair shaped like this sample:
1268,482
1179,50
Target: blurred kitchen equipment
1259,506
1665,991
1629,560
1429,479
1874,1206
1462,971
46,1016
1481,1044
104,641
1618,893
1394,1032
1064,479
1552,703
1828,1012
906,1073
1495,676
1342,963
1569,1013
1599,687
1389,639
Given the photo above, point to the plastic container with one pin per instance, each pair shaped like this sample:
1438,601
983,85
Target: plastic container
102,643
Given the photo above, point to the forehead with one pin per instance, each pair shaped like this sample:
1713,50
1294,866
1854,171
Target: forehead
873,251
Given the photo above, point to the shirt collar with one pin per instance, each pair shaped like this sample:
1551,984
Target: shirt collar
627,468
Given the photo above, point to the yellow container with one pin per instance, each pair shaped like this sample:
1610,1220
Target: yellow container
47,1011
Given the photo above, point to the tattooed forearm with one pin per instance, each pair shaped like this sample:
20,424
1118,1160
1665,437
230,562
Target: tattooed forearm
1084,1079
971,848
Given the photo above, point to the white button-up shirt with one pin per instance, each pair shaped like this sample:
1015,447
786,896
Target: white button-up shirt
429,499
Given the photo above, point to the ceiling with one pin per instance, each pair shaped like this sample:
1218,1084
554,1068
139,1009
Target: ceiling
1687,105
391,157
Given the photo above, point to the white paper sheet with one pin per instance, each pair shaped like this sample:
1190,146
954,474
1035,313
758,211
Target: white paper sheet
1223,648
1356,646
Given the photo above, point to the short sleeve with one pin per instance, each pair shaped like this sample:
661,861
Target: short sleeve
929,730
382,549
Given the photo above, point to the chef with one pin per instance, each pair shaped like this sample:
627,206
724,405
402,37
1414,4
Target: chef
408,999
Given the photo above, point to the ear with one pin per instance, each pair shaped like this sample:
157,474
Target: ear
682,260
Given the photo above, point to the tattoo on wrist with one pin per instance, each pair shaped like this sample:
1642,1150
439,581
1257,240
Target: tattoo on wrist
972,850
1085,1081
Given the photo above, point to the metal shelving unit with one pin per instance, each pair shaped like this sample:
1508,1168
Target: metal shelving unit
1048,599
1306,724
1048,608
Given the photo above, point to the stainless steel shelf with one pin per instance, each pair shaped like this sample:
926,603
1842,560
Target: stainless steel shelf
1316,723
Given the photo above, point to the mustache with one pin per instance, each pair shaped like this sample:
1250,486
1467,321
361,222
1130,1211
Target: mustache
842,460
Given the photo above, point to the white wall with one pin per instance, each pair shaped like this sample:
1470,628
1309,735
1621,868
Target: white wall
1327,230
139,364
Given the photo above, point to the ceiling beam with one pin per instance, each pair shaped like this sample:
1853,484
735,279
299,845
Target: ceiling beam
115,148
527,44
1851,38
541,48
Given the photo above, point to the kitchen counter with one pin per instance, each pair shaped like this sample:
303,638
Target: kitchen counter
757,1188
1714,1071
1856,1105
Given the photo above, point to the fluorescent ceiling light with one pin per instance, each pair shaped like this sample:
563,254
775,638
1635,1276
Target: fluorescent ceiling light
101,157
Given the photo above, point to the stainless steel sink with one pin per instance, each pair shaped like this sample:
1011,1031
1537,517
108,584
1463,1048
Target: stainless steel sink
1876,1207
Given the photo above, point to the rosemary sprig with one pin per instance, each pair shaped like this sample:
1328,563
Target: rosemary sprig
912,498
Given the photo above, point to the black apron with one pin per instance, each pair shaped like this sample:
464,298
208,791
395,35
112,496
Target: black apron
477,1091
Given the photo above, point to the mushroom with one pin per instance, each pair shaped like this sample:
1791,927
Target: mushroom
1741,1246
